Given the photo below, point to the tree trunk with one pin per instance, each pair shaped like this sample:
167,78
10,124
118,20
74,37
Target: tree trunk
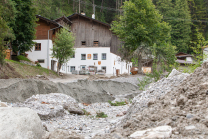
58,68
140,64
101,9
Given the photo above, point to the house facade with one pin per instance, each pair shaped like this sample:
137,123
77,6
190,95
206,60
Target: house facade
95,45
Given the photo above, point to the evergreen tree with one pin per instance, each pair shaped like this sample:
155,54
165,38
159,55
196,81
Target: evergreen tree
177,14
24,26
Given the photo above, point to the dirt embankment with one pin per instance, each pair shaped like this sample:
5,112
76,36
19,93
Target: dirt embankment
84,91
182,107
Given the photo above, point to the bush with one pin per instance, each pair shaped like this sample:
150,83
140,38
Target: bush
86,112
20,57
117,103
38,64
101,115
142,83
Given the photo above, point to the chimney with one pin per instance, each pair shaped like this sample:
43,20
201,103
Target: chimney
93,16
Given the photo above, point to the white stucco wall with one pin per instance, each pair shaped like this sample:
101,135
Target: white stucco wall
108,63
42,54
111,63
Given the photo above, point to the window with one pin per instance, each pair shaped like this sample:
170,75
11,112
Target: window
83,56
83,42
95,56
96,43
103,56
83,67
41,61
38,47
73,56
68,68
104,68
72,68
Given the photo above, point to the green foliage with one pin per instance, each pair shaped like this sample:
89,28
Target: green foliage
20,57
144,82
38,64
24,26
140,22
101,115
7,12
140,27
63,47
197,47
86,112
117,103
177,14
164,60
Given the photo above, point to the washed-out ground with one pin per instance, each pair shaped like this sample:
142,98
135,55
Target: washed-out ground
91,95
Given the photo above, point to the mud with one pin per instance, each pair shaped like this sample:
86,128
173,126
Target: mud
183,107
84,91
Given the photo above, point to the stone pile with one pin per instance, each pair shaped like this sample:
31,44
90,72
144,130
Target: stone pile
59,111
180,106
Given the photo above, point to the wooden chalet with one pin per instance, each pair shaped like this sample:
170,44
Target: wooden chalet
90,32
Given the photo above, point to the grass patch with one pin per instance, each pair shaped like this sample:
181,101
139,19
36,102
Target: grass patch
101,115
28,70
86,112
20,57
117,103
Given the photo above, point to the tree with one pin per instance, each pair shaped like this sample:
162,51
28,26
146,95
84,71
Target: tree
140,24
24,26
177,14
63,47
7,17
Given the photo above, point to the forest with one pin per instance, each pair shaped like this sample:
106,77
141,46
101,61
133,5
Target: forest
187,18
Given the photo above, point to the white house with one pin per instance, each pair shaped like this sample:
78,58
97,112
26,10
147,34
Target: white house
95,45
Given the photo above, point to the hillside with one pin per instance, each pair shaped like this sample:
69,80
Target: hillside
14,69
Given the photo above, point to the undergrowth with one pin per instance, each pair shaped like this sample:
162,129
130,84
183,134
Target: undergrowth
144,82
20,57
86,112
117,103
101,115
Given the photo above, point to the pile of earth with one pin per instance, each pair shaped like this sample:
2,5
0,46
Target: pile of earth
180,111
83,91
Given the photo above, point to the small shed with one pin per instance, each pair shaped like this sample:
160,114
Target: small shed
183,58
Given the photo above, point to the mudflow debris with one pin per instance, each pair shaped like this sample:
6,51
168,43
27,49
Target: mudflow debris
173,107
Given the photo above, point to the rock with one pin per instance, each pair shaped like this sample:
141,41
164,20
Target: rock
52,105
158,132
174,72
74,108
61,134
191,127
3,104
189,116
20,123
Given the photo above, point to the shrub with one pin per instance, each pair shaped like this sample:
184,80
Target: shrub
86,112
20,57
117,103
101,115
38,64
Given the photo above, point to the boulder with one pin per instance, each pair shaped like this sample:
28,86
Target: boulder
154,133
19,123
52,105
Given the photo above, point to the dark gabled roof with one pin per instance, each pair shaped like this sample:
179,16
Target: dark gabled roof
47,20
64,18
77,14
